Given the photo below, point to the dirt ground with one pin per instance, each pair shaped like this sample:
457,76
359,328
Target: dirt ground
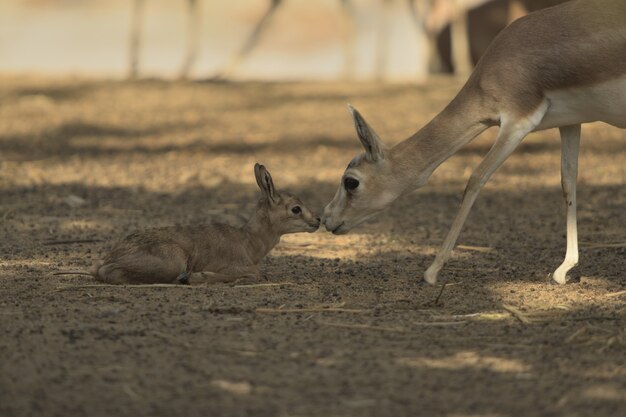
340,326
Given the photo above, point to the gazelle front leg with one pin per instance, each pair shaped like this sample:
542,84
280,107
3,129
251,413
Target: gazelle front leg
509,137
570,140
232,274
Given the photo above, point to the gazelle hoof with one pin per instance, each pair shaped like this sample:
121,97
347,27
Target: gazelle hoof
183,278
430,276
560,275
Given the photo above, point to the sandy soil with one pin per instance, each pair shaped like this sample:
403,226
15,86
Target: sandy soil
340,326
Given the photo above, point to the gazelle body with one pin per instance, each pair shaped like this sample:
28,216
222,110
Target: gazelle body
209,253
558,67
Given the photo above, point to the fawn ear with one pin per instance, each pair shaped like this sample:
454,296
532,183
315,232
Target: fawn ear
264,180
374,147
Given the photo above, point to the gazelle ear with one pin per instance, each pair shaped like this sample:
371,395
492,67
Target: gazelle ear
265,183
374,147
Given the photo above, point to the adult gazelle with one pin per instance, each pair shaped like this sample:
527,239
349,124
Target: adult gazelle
555,68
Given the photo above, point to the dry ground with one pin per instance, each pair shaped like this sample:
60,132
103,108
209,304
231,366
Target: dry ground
356,336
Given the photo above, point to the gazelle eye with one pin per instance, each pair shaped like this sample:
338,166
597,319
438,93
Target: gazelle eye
350,183
296,210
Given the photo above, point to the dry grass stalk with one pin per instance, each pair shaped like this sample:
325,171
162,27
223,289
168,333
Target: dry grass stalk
603,245
69,241
438,323
615,294
482,249
516,313
363,326
473,269
265,284
76,287
491,316
310,310
440,293
577,334
132,394
6,214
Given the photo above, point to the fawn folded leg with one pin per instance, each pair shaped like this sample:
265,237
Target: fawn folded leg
510,136
247,273
570,141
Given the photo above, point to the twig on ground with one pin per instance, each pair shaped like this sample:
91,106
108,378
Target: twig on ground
391,329
6,214
76,287
438,323
69,241
170,339
577,334
265,284
440,292
592,318
483,249
615,294
473,269
516,313
596,245
493,316
317,309
129,391
363,326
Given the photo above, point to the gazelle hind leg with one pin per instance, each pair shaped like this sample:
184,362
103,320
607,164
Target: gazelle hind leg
570,141
510,136
143,268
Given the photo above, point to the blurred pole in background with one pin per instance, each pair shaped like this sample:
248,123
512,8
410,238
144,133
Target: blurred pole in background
382,40
459,39
135,37
431,60
193,35
349,39
441,13
252,41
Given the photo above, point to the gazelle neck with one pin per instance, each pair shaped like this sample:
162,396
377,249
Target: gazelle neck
261,236
415,159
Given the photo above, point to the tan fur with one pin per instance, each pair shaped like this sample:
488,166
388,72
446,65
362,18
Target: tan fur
208,253
540,72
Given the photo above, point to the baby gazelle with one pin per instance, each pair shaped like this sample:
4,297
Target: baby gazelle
209,253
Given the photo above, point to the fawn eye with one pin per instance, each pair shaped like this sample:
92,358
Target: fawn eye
350,183
296,210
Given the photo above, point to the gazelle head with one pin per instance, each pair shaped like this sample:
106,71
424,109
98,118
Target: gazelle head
368,185
285,212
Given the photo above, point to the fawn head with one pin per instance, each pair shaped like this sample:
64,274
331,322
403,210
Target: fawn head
368,184
285,212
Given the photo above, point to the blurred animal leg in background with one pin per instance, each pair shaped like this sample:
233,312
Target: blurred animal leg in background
193,35
349,38
253,39
134,48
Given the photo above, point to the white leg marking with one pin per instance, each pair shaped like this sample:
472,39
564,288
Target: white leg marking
510,136
570,140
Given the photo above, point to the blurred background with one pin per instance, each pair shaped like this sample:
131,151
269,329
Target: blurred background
394,40
118,115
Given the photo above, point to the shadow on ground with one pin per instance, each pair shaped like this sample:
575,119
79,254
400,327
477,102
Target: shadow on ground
340,325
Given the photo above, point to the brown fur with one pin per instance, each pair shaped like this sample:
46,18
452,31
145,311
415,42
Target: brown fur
207,253
558,67
572,44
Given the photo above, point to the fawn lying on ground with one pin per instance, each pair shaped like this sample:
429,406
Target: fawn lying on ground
209,253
